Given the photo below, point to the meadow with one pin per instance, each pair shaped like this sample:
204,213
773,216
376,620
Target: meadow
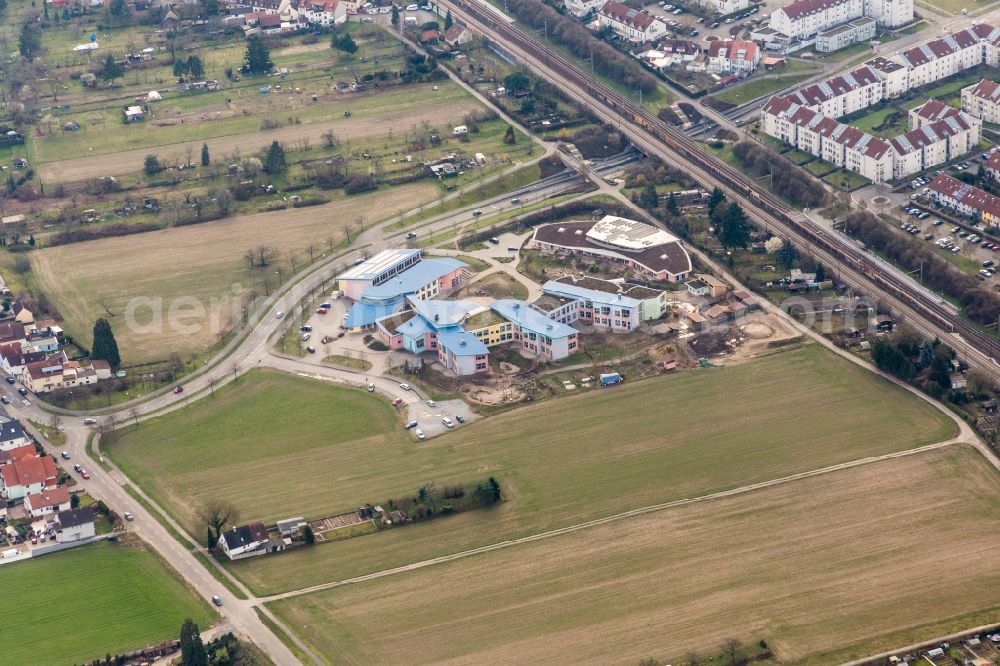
825,569
203,261
81,604
560,463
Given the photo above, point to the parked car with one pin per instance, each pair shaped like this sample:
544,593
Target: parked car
78,468
90,420
411,236
4,399
460,418
217,600
128,516
406,387
397,402
410,425
447,423
65,455
420,434
306,336
305,329
179,389
279,314
311,349
9,379
323,311
371,388
431,403
22,390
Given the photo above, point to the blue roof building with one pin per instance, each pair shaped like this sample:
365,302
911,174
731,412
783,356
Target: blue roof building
462,353
537,333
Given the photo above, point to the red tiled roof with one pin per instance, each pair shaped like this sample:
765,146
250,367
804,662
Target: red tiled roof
994,162
622,13
48,498
820,92
987,89
966,194
18,453
932,109
801,8
730,49
27,471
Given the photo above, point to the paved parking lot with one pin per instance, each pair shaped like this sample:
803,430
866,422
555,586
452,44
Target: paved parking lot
429,418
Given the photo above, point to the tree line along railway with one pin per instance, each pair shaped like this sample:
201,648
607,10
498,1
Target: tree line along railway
930,314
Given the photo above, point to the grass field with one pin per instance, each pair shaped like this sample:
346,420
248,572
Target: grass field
200,261
824,569
580,458
79,605
796,72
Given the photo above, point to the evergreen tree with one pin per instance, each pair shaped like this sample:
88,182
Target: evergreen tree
926,354
118,9
672,206
192,649
105,346
151,165
717,197
820,273
31,240
180,68
45,12
448,20
274,160
344,43
65,14
788,255
195,67
308,535
205,159
395,16
735,230
110,70
211,539
509,136
257,59
649,199
29,41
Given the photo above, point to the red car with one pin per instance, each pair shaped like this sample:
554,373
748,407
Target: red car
397,402
322,310
84,473
179,389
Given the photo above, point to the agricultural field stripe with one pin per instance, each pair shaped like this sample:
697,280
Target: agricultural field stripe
609,519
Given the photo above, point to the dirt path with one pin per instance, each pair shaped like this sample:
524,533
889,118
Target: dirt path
130,161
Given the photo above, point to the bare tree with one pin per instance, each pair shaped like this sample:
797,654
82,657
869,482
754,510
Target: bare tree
731,647
55,421
311,251
211,384
236,376
292,259
217,514
250,257
266,254
329,140
134,415
105,425
188,154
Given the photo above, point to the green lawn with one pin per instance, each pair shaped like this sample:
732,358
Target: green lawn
846,180
766,84
280,445
877,118
79,605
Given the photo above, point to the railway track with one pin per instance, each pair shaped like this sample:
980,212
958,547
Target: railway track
926,311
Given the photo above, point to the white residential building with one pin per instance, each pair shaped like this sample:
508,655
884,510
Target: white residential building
583,8
982,101
804,19
737,57
725,7
858,30
324,12
844,94
631,24
75,525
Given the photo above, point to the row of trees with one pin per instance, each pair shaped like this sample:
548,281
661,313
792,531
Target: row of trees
925,363
787,179
571,34
980,305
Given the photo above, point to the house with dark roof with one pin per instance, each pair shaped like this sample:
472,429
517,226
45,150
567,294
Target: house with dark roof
244,541
993,166
75,525
11,434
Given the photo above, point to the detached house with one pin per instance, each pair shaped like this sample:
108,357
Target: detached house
733,56
75,525
28,476
21,313
11,434
631,24
47,501
457,35
244,541
324,12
